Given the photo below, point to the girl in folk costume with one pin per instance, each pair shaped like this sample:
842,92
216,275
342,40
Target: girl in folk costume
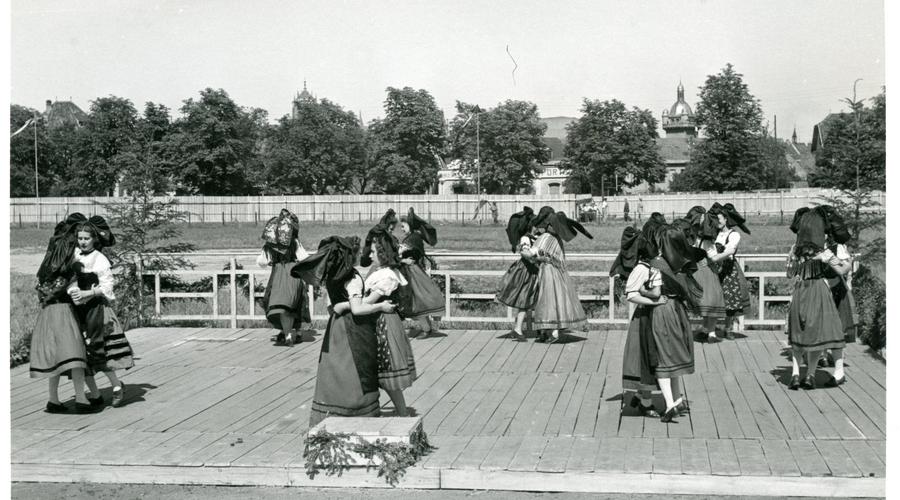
107,348
396,364
642,289
57,346
286,297
347,376
557,304
427,299
814,323
841,291
519,286
702,232
734,285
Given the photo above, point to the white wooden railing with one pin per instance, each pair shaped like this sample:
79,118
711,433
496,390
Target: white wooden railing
253,277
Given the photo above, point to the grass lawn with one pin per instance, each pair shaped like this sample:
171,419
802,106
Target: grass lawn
454,237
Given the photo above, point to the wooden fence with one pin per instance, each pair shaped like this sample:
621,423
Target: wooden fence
233,315
359,208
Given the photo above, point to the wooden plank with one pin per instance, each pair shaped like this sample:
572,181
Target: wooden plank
22,438
838,460
694,457
562,403
702,423
587,412
794,425
534,411
700,366
834,414
583,454
502,453
535,355
609,407
593,350
37,452
514,363
142,442
722,457
466,355
865,403
727,424
764,360
482,413
880,448
437,413
611,454
667,456
468,403
816,421
779,457
763,413
731,357
475,453
291,450
485,355
714,360
555,456
869,464
529,454
638,455
426,402
496,362
499,423
808,458
151,448
568,358
751,458
747,356
184,456
569,419
742,410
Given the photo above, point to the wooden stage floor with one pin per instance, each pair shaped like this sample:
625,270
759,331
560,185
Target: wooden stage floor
226,406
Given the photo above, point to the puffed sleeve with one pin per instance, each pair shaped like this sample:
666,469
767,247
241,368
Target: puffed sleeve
104,276
263,259
384,282
732,242
636,279
842,253
301,252
355,287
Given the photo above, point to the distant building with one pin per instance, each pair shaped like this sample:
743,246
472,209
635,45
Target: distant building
820,131
303,96
60,113
801,159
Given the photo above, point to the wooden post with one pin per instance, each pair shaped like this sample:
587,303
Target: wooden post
139,270
223,217
233,276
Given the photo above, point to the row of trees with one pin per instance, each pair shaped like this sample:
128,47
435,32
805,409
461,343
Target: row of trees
217,147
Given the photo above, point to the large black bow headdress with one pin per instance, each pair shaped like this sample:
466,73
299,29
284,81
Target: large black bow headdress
421,226
563,226
333,261
60,247
519,224
380,235
732,216
628,253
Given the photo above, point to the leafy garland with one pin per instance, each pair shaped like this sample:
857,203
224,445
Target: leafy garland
329,452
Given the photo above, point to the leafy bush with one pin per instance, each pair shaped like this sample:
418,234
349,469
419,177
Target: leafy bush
871,305
23,311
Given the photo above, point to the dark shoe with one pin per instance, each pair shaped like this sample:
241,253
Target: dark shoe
541,338
82,408
795,383
96,402
118,396
422,335
729,335
712,339
518,337
55,408
835,382
552,340
683,408
279,339
670,414
289,339
647,411
809,382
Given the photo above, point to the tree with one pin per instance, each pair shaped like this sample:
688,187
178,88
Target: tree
610,141
215,145
21,154
410,139
509,139
734,156
148,165
316,152
854,140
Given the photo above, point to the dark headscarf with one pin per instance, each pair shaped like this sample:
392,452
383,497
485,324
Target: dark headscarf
646,246
732,217
61,248
628,253
680,261
519,224
541,217
381,236
105,236
419,225
333,262
389,218
811,225
564,227
704,225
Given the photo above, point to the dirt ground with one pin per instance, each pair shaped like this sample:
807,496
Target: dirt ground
176,492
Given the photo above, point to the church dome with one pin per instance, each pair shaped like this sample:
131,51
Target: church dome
680,107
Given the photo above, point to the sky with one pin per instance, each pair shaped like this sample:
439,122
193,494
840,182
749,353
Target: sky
799,58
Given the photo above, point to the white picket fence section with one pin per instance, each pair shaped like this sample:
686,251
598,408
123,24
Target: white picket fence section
459,208
254,275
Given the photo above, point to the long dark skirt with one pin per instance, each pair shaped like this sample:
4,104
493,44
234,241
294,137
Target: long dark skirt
846,306
673,339
734,287
106,345
427,298
56,344
814,323
557,303
285,294
396,364
637,374
519,286
712,304
347,376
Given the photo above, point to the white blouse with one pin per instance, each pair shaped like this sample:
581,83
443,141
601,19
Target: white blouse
641,275
96,262
384,281
263,259
733,239
355,286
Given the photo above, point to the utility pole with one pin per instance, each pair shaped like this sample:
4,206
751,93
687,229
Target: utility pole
856,112
37,194
478,150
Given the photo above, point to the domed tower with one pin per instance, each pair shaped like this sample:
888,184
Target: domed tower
678,121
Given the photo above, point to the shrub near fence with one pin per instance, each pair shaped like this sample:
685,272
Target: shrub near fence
460,208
